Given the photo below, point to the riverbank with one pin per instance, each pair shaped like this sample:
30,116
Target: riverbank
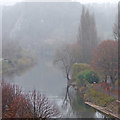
100,101
105,110
17,66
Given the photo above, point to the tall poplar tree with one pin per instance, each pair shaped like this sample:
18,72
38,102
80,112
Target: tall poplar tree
87,35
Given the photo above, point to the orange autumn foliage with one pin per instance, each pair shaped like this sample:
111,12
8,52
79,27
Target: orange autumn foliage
105,58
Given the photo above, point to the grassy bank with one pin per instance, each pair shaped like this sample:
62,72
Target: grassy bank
84,78
105,103
98,97
19,63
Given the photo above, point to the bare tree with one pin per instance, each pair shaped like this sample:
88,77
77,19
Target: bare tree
42,107
65,57
115,29
17,104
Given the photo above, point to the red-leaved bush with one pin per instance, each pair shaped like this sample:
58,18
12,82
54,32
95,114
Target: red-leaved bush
17,104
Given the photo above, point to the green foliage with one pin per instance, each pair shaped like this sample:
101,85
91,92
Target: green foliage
87,76
79,67
21,60
5,66
24,61
98,97
91,76
81,79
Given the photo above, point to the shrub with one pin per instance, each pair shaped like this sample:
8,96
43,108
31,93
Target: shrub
5,66
79,67
87,76
99,97
81,79
91,76
18,104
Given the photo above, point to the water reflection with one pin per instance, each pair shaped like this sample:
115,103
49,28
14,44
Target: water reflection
50,81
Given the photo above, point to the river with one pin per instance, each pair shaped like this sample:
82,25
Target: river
48,79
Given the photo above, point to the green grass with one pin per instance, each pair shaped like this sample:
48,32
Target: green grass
98,97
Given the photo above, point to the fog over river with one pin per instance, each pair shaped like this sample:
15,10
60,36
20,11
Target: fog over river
42,27
49,80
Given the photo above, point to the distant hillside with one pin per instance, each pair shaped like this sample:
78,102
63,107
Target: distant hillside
33,24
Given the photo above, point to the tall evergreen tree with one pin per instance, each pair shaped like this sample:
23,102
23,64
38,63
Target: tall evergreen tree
87,35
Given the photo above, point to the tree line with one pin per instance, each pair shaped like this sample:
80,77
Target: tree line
101,55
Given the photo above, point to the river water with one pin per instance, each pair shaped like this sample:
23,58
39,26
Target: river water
48,79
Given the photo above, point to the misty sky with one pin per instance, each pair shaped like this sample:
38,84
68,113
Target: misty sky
11,2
